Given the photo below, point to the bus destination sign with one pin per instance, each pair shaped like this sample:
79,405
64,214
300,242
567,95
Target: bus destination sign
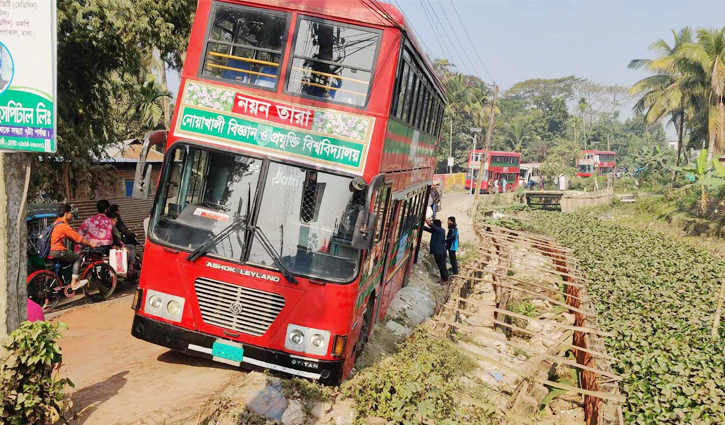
319,136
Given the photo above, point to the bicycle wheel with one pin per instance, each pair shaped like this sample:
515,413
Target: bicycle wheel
102,281
44,289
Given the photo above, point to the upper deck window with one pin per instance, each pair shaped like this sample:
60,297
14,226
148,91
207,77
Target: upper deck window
245,45
333,61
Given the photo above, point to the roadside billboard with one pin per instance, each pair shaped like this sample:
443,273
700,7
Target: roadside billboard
28,75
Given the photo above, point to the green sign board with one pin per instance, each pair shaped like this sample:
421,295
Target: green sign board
300,143
28,76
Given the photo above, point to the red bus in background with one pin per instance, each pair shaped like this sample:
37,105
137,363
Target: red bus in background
293,191
591,161
500,165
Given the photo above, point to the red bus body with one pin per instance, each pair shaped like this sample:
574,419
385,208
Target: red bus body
499,165
603,162
244,312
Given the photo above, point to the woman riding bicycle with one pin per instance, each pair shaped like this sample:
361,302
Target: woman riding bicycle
58,250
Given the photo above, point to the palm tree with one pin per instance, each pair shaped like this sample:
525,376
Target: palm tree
583,107
667,92
516,133
150,107
709,56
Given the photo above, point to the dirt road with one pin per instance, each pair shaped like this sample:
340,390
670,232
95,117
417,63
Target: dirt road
122,380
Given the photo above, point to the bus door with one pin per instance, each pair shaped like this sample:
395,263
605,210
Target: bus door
374,265
394,257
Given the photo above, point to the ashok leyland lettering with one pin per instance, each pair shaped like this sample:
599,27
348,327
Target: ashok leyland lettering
290,204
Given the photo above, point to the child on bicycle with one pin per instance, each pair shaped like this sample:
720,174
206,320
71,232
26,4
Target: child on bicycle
58,250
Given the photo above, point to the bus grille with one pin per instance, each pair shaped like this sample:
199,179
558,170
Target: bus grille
237,308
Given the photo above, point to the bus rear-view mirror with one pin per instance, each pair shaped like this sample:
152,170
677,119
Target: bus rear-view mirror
142,183
362,236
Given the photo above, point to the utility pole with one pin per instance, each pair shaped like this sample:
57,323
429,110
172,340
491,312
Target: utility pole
14,179
484,157
450,149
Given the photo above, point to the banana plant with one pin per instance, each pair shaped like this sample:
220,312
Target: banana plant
707,175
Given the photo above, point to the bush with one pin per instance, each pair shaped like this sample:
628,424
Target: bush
416,383
657,296
28,391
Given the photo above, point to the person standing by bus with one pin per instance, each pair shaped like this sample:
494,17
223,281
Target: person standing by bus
438,246
435,199
452,243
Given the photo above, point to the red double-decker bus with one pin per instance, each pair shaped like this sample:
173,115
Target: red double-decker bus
599,162
499,166
293,190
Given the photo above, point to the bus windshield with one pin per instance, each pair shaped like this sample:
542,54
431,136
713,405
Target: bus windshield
308,216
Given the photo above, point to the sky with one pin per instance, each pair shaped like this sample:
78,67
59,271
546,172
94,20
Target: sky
518,40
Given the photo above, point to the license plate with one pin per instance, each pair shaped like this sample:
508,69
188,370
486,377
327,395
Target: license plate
228,350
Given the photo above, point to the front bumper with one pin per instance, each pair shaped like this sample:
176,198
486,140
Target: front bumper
200,345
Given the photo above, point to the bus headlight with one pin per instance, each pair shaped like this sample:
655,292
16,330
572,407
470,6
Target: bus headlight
317,341
166,306
173,308
155,302
296,337
307,340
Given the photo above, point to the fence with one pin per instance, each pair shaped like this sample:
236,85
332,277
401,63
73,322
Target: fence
450,180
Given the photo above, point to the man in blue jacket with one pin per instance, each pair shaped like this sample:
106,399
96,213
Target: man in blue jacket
438,246
452,243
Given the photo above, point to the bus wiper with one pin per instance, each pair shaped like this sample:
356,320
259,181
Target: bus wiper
267,245
202,249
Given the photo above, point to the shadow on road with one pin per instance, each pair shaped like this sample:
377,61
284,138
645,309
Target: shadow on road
88,399
175,357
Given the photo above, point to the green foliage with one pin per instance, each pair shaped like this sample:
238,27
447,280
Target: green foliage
28,391
415,384
527,308
657,295
104,48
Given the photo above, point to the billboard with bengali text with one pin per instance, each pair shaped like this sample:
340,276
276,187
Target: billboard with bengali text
28,75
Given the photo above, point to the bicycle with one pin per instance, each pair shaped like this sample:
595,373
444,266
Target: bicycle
46,286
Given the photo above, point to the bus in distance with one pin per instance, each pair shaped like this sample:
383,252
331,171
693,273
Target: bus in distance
500,165
291,199
599,162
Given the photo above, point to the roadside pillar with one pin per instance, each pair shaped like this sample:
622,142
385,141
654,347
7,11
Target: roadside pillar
13,240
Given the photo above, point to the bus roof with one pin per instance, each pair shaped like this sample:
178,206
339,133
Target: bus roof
500,153
359,11
599,152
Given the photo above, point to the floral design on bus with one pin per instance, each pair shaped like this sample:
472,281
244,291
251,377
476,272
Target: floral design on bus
208,97
350,126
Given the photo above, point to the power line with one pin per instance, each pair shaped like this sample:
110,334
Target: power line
471,41
456,34
460,57
411,26
435,32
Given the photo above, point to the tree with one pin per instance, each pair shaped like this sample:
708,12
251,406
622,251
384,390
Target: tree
516,134
150,109
100,62
709,55
708,174
666,92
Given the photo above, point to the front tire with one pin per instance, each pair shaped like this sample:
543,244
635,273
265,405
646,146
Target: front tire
102,281
44,289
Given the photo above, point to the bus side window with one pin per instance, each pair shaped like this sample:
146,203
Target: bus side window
381,208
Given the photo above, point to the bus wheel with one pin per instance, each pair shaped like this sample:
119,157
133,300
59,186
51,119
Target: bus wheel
366,327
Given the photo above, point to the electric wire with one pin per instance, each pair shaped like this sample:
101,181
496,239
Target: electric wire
450,41
471,41
455,33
